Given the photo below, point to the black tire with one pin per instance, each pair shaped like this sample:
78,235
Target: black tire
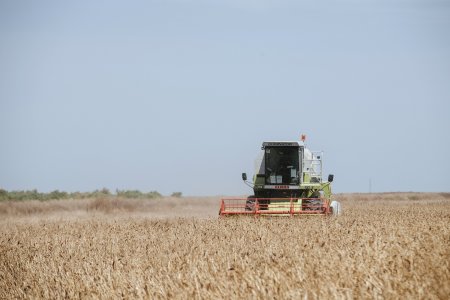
250,203
315,202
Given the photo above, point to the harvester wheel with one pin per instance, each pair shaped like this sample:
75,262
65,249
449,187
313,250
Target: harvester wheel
250,203
313,204
335,208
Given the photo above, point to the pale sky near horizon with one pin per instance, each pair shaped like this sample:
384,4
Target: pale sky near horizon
179,95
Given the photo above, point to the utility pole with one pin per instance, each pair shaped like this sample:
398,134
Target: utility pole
370,185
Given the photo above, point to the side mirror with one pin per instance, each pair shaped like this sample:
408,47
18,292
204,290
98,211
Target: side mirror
330,178
244,176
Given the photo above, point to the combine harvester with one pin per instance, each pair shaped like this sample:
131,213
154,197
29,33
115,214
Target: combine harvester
287,182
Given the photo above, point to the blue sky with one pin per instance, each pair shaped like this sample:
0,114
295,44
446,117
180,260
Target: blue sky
179,95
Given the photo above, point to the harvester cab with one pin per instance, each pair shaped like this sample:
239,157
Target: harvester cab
287,181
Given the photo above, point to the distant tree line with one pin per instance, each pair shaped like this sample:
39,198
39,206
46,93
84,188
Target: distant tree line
35,195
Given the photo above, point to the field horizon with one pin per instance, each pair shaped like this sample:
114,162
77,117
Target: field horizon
172,207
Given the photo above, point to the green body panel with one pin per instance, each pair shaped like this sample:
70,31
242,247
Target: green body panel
307,190
258,181
306,178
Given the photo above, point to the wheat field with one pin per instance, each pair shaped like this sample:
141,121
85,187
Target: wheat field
384,246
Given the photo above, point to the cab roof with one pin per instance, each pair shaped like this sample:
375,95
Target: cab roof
283,144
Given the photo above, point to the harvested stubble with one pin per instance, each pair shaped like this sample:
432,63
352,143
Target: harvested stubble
378,249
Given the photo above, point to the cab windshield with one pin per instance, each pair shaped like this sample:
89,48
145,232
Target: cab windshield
282,165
